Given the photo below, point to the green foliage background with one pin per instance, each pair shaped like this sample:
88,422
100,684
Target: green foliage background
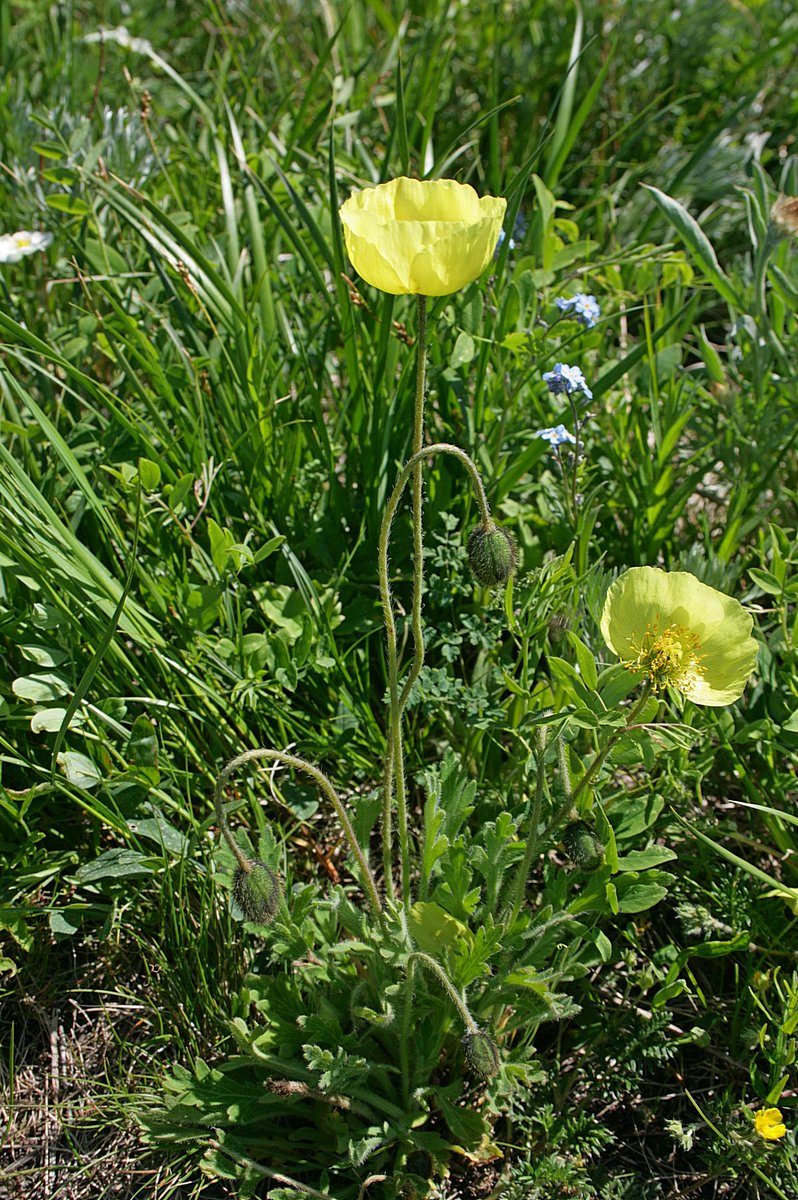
202,415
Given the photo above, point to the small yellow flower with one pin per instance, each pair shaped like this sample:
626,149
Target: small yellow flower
421,237
769,1125
678,632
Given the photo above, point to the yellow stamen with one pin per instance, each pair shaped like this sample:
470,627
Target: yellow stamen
668,659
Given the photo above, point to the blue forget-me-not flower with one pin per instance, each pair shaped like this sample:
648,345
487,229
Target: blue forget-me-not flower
516,237
583,308
558,435
567,379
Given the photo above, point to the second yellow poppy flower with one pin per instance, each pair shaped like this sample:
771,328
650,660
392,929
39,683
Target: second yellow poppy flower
678,632
421,237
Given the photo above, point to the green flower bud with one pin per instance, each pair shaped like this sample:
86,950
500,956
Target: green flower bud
491,554
558,625
481,1054
583,845
256,892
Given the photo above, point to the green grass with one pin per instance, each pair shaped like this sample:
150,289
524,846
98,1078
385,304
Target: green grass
203,414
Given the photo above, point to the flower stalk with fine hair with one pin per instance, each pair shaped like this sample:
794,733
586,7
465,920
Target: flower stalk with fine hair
422,238
245,863
394,755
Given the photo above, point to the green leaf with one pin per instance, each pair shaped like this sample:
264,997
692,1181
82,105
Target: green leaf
637,893
65,922
696,240
142,745
65,176
63,202
50,720
41,689
640,860
463,352
157,829
466,1126
585,660
114,864
434,931
150,474
768,583
636,814
48,150
79,769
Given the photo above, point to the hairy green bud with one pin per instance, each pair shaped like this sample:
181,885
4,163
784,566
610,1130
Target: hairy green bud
491,554
583,845
256,892
558,626
481,1054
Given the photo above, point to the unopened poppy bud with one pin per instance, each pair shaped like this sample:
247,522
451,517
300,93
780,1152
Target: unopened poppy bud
256,892
481,1054
491,554
583,845
558,626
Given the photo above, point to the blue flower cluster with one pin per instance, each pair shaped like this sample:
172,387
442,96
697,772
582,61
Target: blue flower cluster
566,379
584,309
517,236
558,435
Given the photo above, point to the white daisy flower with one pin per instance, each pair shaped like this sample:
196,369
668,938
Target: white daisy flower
14,246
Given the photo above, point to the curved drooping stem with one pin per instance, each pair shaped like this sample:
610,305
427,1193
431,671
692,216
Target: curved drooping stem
394,759
318,777
471,1027
456,998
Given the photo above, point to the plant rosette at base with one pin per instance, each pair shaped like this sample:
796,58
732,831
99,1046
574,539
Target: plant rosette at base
680,633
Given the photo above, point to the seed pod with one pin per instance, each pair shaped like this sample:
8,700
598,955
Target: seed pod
481,1054
583,845
256,892
491,554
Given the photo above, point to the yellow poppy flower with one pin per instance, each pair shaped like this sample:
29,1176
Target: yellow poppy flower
769,1125
421,237
678,632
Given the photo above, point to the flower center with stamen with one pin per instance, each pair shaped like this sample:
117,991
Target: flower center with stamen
668,659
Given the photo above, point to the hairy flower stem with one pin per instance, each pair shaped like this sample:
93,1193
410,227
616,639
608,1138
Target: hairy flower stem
594,767
457,1000
326,787
407,1016
418,579
418,633
522,874
394,757
407,1021
418,511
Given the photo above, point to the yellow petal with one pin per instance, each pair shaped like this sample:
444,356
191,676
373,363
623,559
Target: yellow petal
648,598
769,1125
424,237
